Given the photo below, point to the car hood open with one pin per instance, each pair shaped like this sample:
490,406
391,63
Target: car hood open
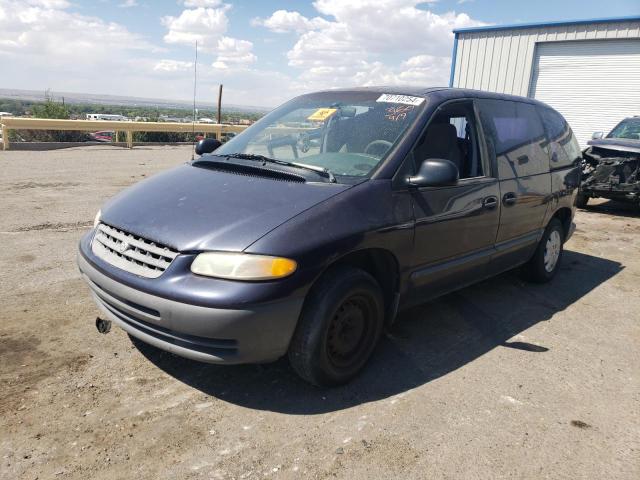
619,144
194,209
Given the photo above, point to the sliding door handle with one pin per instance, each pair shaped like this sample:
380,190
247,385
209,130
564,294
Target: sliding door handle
509,199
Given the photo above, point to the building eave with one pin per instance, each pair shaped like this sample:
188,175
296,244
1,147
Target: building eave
522,26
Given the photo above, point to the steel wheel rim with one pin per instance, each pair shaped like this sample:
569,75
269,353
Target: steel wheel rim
349,332
552,251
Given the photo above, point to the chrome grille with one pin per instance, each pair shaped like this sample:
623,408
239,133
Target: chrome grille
130,252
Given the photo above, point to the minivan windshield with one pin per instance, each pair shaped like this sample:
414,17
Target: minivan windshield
347,133
628,128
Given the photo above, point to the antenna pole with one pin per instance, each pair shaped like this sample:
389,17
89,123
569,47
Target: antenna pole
219,104
193,124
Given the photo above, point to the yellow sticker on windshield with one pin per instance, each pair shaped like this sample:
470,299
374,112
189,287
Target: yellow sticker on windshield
322,114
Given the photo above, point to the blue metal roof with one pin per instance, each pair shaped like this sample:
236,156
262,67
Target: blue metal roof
519,26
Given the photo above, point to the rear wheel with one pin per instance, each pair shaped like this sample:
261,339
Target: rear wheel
339,327
546,260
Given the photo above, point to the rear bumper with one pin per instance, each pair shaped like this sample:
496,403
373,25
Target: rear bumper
251,334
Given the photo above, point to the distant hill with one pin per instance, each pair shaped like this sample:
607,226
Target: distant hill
71,97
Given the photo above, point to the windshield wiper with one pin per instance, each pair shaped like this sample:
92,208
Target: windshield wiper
325,172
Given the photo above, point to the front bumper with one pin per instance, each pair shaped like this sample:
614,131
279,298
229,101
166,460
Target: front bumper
629,193
251,334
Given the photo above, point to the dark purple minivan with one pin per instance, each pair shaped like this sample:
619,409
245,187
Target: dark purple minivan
308,232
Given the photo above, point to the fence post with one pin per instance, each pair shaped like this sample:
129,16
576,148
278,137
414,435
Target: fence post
5,137
129,139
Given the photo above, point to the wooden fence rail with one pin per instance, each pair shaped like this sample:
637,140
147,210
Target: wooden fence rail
13,123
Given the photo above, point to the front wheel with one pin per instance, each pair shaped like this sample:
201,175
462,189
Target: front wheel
339,327
545,262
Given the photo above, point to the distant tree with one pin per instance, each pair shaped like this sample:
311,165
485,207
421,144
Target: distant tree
50,109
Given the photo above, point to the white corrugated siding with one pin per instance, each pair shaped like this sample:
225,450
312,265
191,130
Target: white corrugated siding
503,60
594,84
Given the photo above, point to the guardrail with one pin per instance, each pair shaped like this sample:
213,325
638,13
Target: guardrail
13,123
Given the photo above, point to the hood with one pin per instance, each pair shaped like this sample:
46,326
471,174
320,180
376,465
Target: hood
191,208
619,144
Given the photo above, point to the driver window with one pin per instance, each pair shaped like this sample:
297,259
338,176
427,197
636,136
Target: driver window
452,135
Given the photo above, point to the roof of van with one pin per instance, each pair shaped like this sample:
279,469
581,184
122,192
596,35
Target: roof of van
442,91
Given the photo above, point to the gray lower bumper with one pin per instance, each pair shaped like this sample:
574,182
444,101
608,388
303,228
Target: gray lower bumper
249,335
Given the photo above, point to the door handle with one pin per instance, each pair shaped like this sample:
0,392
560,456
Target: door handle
509,199
490,202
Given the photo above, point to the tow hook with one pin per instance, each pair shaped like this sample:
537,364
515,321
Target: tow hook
103,326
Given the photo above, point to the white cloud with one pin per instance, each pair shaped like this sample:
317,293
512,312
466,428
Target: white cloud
172,66
45,31
128,4
283,21
208,26
365,42
424,70
398,26
49,3
234,53
204,25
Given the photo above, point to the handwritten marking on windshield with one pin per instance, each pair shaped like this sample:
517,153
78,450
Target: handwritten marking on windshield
399,113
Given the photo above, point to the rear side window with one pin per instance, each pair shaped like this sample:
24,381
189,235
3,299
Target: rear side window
565,151
516,138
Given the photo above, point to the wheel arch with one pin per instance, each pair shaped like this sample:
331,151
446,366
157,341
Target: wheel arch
383,266
564,215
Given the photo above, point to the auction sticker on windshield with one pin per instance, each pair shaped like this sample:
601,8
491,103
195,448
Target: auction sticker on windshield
321,114
405,99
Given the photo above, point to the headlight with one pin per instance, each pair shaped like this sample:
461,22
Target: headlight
242,266
96,220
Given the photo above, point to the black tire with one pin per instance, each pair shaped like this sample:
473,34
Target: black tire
537,268
339,327
582,200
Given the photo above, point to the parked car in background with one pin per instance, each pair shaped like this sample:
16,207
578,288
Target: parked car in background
107,116
308,232
226,136
611,165
104,136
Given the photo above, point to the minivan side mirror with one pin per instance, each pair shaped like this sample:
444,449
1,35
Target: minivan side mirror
597,135
435,172
207,145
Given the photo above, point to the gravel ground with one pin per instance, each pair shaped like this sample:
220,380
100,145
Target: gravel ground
500,380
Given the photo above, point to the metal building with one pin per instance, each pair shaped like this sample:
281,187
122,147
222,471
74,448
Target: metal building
588,70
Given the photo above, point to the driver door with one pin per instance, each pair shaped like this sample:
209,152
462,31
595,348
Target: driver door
455,226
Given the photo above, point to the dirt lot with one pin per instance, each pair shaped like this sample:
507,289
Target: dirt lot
501,380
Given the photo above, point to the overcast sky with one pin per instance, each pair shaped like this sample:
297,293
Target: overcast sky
264,52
